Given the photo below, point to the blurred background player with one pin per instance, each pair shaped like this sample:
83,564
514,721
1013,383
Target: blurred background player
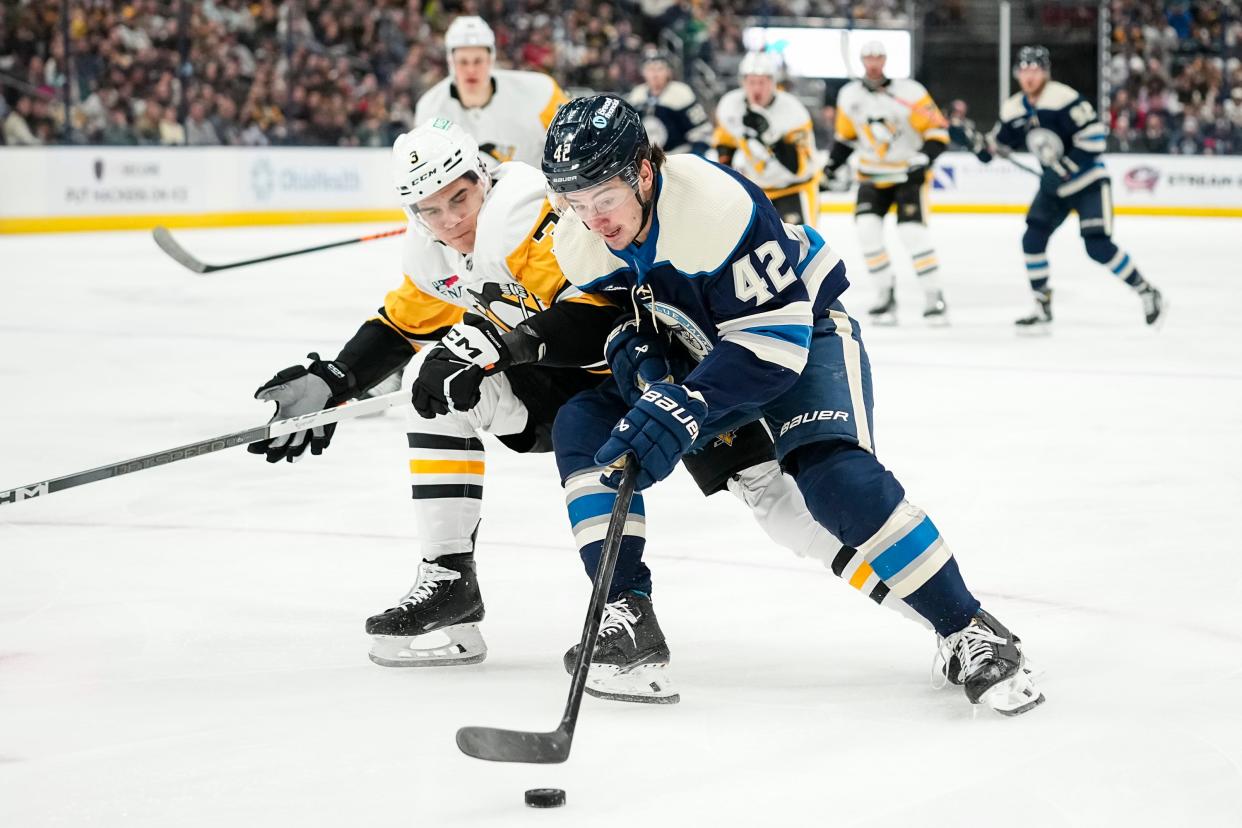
478,268
1061,129
766,134
671,112
507,111
897,131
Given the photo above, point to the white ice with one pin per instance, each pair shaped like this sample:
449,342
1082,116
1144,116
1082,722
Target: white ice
184,646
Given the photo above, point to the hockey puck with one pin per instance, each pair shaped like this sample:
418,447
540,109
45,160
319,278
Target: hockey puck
545,797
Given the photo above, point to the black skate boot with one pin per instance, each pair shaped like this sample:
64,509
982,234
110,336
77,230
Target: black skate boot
1153,304
884,311
986,660
630,662
445,599
1039,320
935,311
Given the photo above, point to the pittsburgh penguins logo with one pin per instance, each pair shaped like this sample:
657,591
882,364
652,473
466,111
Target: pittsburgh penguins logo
506,305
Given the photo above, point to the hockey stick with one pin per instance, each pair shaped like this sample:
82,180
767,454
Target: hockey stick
179,254
497,745
277,428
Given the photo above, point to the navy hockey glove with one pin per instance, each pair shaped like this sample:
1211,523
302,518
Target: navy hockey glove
298,390
456,366
658,430
637,359
963,133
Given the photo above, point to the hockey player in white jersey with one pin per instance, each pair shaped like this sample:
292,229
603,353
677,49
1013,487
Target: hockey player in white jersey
766,134
506,110
502,341
895,131
671,111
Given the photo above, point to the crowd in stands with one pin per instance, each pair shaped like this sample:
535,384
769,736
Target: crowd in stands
347,72
1176,76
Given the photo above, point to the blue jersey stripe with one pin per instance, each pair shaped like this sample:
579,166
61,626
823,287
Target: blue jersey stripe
898,556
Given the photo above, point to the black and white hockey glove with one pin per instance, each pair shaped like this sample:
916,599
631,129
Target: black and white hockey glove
298,390
456,366
756,124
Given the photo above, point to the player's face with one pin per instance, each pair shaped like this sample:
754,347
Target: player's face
873,66
1032,79
472,68
612,210
656,75
759,89
452,213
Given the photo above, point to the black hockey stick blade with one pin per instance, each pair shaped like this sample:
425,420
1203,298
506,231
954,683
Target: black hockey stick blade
176,252
498,745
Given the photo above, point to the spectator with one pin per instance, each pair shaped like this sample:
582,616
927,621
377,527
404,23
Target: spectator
17,131
118,132
198,130
171,132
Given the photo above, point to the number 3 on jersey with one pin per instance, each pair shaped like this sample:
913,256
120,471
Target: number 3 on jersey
748,284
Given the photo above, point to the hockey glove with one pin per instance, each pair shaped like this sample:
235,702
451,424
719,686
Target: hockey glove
455,368
917,169
658,430
298,390
964,133
756,124
637,359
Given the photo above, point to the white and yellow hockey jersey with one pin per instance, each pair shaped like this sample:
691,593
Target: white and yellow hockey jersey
511,126
511,275
788,122
887,126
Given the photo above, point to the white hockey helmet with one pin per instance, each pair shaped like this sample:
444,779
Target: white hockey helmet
760,63
468,30
873,48
430,157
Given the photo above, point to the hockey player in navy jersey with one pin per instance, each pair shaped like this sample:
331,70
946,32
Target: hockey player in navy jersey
672,115
1061,129
737,317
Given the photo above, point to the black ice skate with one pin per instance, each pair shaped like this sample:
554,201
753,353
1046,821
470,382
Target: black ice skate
884,311
631,657
1039,320
1153,304
445,600
935,311
986,660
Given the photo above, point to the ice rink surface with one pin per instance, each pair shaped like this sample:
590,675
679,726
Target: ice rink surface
184,646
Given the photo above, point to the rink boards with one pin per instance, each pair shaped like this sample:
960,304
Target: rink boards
133,188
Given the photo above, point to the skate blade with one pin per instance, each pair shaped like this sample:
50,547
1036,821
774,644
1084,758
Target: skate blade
884,320
939,320
644,684
1015,695
465,645
1034,331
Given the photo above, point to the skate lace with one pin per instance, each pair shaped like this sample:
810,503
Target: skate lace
429,577
973,646
618,617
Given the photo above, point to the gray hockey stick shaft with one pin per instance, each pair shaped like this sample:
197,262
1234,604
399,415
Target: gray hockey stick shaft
277,428
498,745
179,254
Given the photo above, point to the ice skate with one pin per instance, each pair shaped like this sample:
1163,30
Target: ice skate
935,311
884,311
1153,305
443,603
631,658
986,660
1038,322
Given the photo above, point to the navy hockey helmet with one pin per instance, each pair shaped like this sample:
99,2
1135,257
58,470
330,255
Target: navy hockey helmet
592,140
1035,56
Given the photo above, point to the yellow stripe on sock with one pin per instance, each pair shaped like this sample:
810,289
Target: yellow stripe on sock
861,575
446,467
923,264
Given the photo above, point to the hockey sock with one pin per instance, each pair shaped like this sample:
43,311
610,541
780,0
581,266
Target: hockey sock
871,237
897,549
590,507
446,476
1035,247
1103,250
917,239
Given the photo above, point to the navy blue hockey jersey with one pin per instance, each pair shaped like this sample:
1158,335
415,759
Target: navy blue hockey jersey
737,287
1059,124
674,119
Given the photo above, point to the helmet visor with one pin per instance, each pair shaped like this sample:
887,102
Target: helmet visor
597,200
